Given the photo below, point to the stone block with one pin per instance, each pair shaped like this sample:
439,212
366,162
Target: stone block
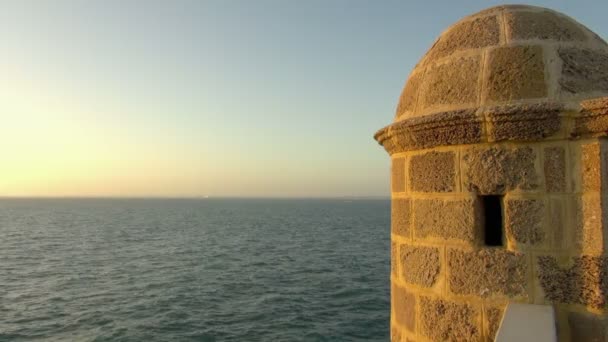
407,100
592,167
587,327
395,334
515,72
542,25
477,33
584,282
523,121
487,273
398,175
401,217
593,118
554,166
590,235
561,220
583,71
496,170
524,221
394,259
404,306
493,316
420,265
456,127
451,83
433,172
449,219
442,320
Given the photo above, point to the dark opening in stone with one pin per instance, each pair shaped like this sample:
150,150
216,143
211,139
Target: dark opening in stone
492,214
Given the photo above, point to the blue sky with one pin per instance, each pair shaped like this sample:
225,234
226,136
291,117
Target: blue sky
219,98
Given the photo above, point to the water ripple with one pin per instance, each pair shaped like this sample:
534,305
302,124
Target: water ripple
194,270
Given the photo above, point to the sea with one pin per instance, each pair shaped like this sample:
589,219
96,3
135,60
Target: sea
194,269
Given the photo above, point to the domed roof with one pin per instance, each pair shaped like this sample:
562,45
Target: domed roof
507,55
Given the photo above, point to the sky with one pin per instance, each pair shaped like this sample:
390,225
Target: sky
224,98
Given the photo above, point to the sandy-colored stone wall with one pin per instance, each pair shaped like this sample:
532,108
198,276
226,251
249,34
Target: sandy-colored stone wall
447,285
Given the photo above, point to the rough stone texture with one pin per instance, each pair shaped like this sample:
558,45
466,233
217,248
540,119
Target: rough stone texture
404,305
487,273
523,121
542,25
447,219
590,235
401,217
395,334
452,83
398,175
560,220
554,166
493,318
409,95
442,320
446,128
594,125
593,118
496,170
524,220
516,72
420,265
591,166
587,327
394,258
583,71
585,282
465,35
433,172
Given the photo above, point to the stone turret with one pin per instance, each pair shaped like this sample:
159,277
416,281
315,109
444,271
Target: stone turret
500,177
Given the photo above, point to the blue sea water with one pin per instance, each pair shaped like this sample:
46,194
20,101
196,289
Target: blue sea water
194,270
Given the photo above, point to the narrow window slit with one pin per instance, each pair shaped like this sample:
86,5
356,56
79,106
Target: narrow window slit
493,223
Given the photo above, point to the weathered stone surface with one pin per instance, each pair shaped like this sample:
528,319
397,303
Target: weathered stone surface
587,327
409,95
401,217
443,320
542,25
590,235
477,33
493,317
395,334
447,219
487,272
433,172
446,128
523,121
398,175
585,282
515,72
583,71
394,259
452,83
554,167
496,170
404,306
524,220
593,118
420,265
561,220
595,125
591,165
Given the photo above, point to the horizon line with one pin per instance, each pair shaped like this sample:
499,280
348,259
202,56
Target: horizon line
198,197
